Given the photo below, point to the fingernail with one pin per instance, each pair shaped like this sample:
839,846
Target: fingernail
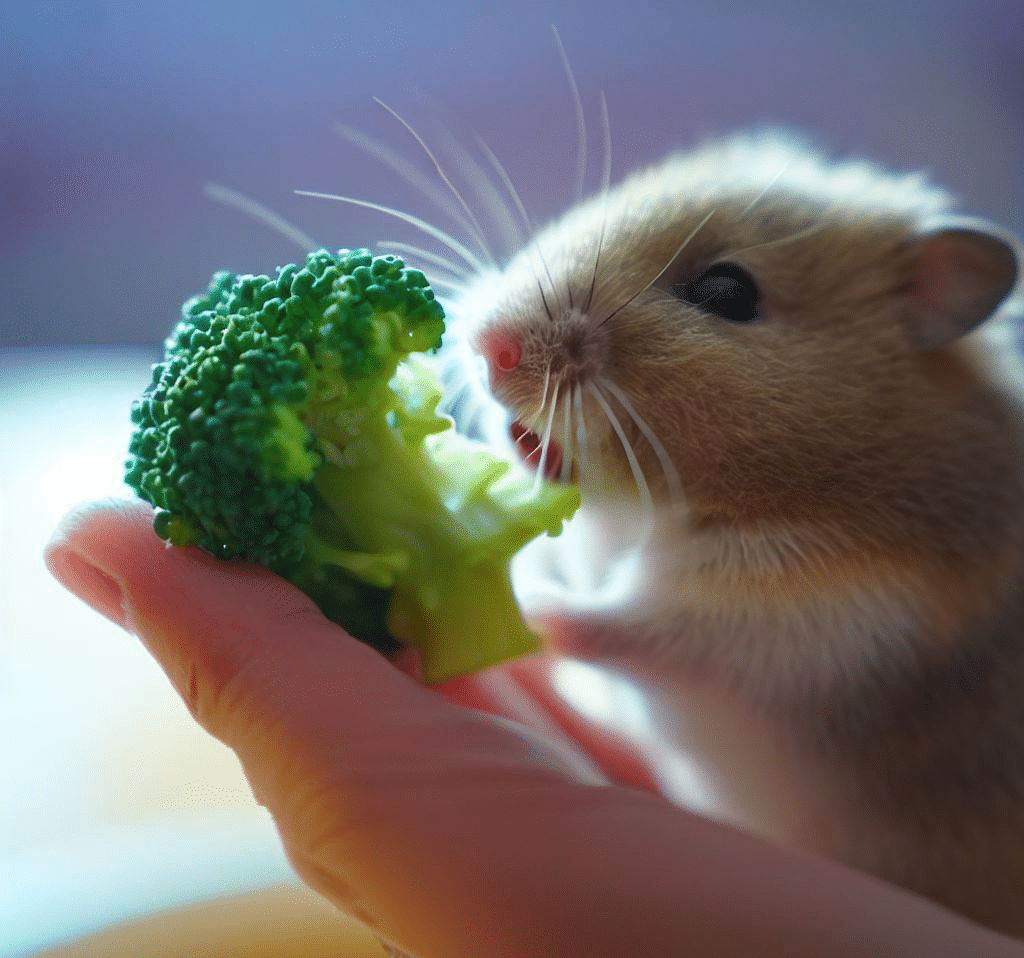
91,584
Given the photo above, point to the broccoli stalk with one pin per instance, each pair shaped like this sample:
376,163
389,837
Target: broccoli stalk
290,424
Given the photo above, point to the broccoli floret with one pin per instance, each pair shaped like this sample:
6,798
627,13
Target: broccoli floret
289,424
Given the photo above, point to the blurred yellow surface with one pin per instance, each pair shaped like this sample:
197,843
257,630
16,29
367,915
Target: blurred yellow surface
278,923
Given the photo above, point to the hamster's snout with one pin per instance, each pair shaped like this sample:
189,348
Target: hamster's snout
564,351
501,350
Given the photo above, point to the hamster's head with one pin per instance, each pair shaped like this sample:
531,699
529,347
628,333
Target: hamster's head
744,329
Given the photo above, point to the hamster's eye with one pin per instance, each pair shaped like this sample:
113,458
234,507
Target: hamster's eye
725,290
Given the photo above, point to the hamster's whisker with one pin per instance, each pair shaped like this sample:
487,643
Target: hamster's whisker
771,183
792,237
476,231
581,441
535,248
544,392
405,170
584,443
517,201
440,235
567,445
606,179
545,444
534,418
533,452
427,256
606,145
479,180
453,286
581,120
544,300
668,468
260,213
642,488
647,285
494,202
581,425
506,181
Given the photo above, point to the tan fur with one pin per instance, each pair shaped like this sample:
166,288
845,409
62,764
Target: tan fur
845,566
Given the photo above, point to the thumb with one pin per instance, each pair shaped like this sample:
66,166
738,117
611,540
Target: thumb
447,832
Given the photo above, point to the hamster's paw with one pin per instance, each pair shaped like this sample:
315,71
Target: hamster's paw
598,636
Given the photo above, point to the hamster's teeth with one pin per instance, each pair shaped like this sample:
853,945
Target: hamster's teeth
531,450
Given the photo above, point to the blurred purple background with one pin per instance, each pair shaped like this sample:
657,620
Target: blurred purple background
113,116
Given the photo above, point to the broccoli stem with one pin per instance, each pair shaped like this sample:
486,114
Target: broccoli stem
477,623
454,588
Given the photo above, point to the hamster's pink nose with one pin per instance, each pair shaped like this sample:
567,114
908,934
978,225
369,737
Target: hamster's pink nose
502,351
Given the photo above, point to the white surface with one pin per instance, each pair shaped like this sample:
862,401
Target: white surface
64,889
112,802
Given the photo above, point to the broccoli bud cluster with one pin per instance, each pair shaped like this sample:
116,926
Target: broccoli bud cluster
220,447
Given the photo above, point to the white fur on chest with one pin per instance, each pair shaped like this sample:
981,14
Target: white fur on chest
705,604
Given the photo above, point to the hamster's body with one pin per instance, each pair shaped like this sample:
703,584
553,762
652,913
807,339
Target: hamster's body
776,362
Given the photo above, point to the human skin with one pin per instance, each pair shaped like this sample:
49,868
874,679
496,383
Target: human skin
447,830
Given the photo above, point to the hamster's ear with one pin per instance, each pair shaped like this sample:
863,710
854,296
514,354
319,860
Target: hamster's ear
964,270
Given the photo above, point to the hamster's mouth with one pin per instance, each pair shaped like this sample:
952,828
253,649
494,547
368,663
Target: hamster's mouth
531,451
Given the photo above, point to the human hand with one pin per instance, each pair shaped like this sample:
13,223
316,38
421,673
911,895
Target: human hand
450,832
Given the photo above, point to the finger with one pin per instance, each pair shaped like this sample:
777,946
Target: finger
525,691
620,760
447,833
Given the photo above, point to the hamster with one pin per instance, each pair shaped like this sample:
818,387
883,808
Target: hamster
795,379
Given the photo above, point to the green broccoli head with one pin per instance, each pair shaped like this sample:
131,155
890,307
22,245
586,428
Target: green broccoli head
290,425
